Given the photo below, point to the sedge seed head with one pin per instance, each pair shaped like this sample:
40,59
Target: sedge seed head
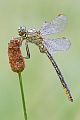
16,60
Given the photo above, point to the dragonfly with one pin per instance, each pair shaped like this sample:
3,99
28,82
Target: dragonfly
47,45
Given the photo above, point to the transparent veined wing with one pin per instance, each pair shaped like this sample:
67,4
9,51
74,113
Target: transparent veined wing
57,25
54,45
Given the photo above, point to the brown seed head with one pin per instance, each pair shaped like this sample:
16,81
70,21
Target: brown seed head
15,57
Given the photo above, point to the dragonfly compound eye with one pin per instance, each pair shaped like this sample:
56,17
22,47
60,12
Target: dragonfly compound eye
21,30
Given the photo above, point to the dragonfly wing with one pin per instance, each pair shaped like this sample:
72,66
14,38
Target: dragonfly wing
54,45
57,25
45,23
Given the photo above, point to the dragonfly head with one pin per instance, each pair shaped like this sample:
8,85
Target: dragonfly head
21,30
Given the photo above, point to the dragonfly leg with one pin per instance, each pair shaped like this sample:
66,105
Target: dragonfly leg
27,50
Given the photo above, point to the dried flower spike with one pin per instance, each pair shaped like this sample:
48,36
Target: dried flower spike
15,57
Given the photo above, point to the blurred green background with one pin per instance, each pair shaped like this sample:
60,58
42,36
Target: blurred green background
45,98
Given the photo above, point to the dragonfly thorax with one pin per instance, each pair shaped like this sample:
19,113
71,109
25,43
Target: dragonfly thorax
32,31
33,36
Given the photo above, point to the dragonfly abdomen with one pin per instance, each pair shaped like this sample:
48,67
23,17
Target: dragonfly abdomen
65,87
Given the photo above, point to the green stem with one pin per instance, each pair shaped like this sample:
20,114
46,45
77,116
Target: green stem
22,94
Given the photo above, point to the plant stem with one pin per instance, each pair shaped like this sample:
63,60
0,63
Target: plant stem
22,94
